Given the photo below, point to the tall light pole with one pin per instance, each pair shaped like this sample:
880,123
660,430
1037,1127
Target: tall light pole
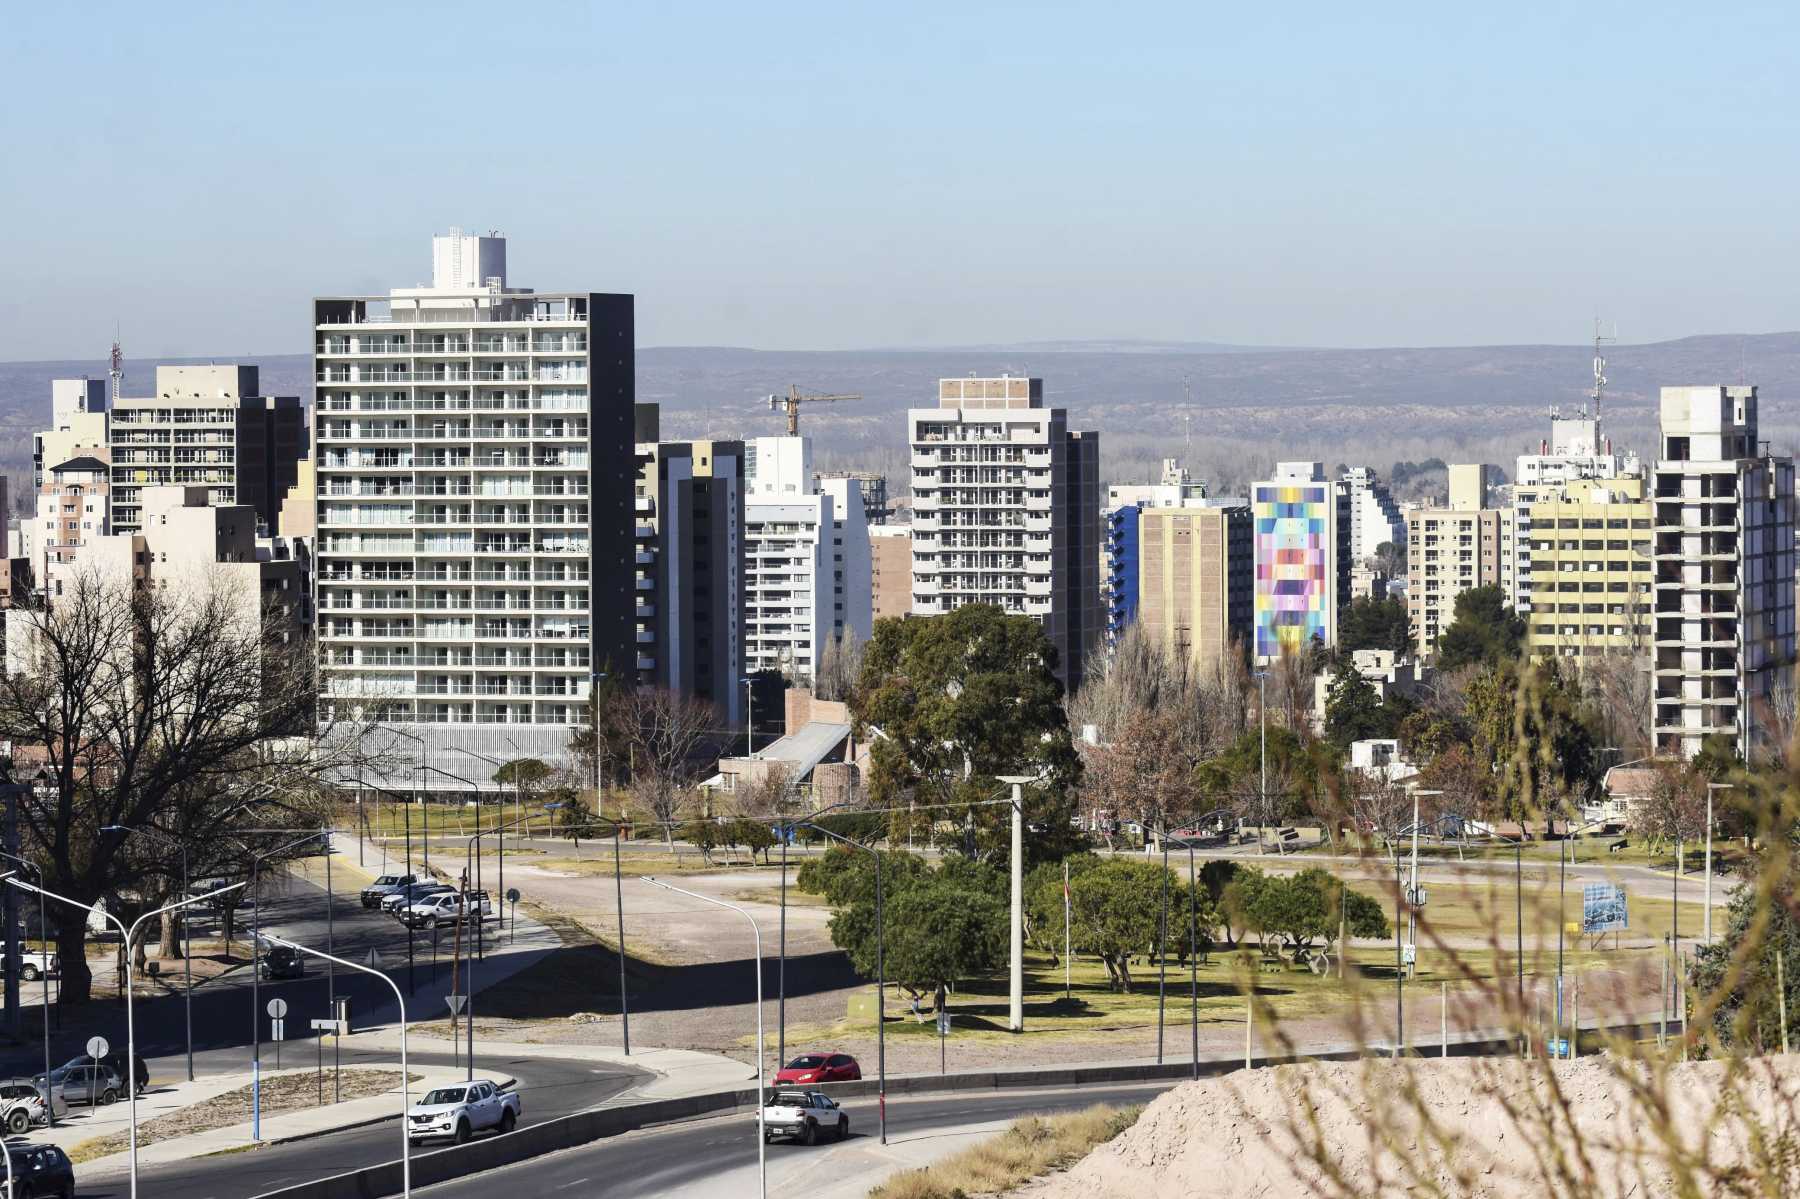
762,1141
187,946
419,778
1710,788
599,743
43,975
405,1084
619,897
129,936
749,719
1262,717
1562,886
256,938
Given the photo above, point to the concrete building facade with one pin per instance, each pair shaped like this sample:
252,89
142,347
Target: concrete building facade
78,426
1124,504
890,571
1197,581
474,491
1449,551
1589,578
1006,511
206,426
1575,450
1724,573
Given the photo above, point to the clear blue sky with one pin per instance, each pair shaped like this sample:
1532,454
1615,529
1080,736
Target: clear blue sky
842,175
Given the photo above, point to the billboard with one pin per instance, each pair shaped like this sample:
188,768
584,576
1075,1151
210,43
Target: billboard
1603,908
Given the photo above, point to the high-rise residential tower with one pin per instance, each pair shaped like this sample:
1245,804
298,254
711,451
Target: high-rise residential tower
206,426
1724,557
1196,580
1302,554
1006,511
1125,504
1449,551
475,472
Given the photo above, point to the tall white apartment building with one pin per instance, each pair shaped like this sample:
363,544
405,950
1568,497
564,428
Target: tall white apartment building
1724,557
807,559
475,474
1374,516
1006,511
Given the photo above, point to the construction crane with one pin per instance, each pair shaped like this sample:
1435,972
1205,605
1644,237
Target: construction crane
792,401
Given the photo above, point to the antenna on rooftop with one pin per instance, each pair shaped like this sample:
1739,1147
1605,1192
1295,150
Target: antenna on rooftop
1600,369
118,366
1187,419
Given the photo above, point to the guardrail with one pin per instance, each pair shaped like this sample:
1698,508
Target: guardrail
583,1128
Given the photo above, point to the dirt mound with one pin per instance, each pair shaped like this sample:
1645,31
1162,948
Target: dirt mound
1485,1128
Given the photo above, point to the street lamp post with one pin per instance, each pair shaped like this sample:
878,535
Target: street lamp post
1262,717
787,832
619,898
1186,831
129,936
44,975
880,971
256,938
1710,788
424,808
471,861
1518,844
749,718
187,947
405,1083
762,1140
1562,887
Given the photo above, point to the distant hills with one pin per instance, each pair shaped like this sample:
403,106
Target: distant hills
1242,406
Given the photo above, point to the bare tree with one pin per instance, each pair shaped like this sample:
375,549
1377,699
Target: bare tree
1675,809
766,793
664,731
840,665
173,710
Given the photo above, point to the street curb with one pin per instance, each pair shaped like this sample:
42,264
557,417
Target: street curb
582,1128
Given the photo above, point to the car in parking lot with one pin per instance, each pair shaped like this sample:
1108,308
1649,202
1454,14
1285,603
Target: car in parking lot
40,1171
386,885
396,903
115,1061
22,1105
815,1068
803,1115
446,907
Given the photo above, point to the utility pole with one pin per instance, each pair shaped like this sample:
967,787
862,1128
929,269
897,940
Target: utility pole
1017,1008
10,909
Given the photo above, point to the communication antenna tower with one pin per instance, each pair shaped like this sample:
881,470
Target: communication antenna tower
1600,369
1187,419
118,368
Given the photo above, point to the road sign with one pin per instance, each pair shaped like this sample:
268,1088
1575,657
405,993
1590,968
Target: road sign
1409,955
374,960
944,1023
456,1003
336,1028
512,895
97,1047
277,1008
1603,908
1416,895
279,1032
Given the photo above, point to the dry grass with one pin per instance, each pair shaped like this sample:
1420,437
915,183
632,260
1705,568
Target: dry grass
1029,1149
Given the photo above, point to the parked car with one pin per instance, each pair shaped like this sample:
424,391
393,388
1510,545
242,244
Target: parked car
41,1171
115,1061
83,1083
398,901
22,1105
386,885
820,1067
446,907
805,1116
33,964
281,961
460,1111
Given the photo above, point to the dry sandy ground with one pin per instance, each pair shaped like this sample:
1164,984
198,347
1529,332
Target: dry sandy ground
1483,1128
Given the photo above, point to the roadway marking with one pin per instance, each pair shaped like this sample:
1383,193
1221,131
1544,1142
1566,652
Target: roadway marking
565,1186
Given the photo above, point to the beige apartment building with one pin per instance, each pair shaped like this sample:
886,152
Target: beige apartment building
1449,551
1197,580
890,570
1590,571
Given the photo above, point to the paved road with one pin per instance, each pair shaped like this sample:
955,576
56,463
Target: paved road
550,1088
718,1157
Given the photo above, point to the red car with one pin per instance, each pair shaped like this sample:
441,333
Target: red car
820,1067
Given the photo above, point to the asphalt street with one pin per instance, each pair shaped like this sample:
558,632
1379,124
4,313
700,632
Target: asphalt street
703,1156
549,1088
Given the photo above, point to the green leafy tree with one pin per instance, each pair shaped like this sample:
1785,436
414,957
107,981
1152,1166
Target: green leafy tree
846,876
1305,908
1484,632
1739,973
961,700
938,928
1353,710
1116,909
754,835
1044,901
1374,624
703,835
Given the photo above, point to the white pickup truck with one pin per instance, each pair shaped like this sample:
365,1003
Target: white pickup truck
460,1111
805,1116
446,907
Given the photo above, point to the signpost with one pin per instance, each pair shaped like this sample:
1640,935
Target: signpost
943,1023
336,1028
277,1008
97,1048
512,897
456,1003
1604,909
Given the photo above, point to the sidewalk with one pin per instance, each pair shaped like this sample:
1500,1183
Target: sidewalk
84,1125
